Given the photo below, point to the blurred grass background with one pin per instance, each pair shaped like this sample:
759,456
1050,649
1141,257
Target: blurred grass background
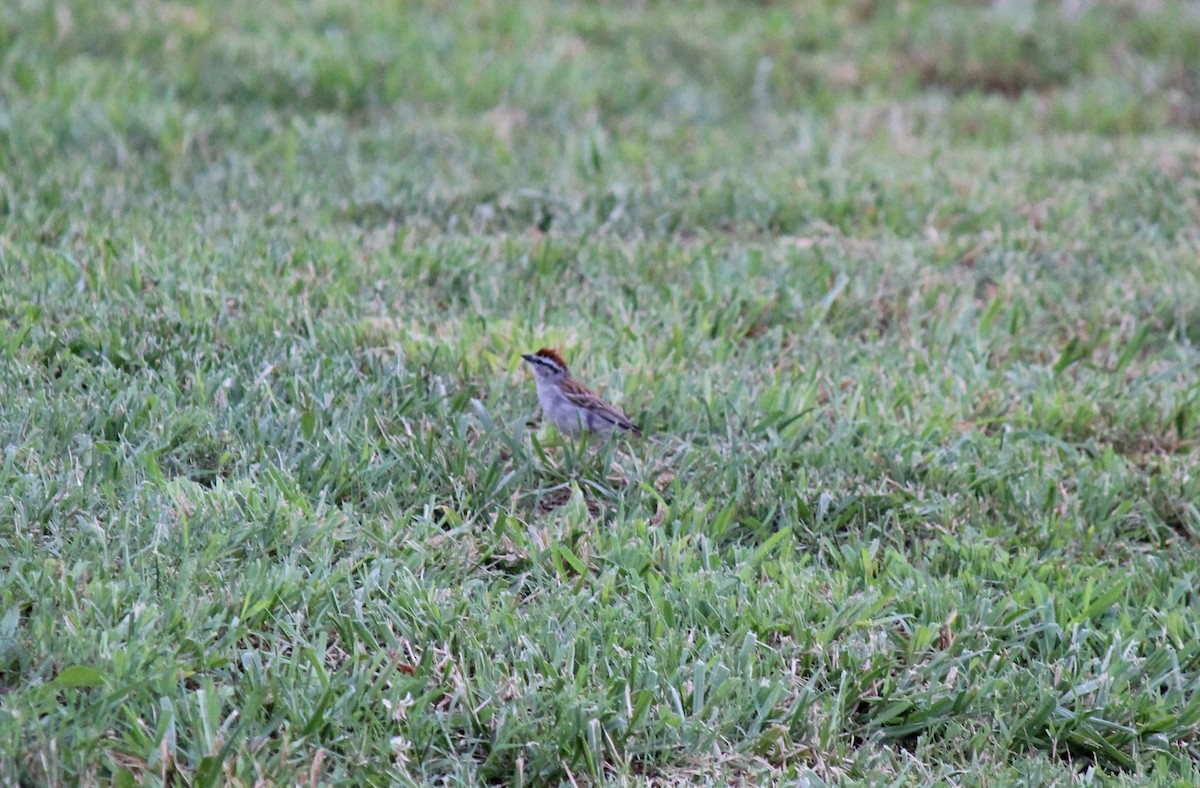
907,291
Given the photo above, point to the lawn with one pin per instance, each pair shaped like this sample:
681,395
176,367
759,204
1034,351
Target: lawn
906,297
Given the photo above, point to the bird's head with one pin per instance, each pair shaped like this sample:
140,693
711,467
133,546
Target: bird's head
547,364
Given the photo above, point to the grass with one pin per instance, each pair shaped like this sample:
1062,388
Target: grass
906,294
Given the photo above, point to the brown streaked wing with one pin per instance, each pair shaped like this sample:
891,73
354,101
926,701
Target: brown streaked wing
583,397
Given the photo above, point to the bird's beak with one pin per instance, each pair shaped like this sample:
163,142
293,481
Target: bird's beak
528,357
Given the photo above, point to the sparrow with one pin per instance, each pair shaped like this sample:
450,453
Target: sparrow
571,406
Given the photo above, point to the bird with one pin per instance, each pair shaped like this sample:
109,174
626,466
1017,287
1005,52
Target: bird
571,406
